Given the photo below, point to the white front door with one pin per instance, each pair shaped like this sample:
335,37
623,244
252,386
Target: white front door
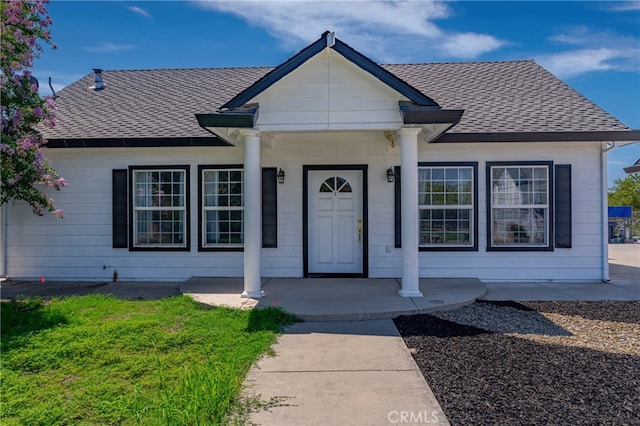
336,224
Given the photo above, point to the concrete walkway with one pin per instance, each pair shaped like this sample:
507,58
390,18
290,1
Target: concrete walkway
342,373
624,271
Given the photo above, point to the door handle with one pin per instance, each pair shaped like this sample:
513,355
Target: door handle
359,229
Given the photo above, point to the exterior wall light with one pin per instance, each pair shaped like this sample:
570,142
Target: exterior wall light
280,176
390,175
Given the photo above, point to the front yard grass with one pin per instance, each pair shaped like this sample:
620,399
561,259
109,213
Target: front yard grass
101,360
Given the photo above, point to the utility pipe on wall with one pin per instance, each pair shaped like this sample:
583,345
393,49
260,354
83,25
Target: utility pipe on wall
605,209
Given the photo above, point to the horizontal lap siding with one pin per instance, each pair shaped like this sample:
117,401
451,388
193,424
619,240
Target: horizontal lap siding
328,93
79,246
582,262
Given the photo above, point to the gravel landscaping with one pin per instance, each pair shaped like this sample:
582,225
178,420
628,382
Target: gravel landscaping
551,363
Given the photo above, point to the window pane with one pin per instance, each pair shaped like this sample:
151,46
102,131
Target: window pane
519,226
223,203
451,199
440,191
437,174
223,228
519,205
424,199
159,227
327,185
159,207
446,227
437,199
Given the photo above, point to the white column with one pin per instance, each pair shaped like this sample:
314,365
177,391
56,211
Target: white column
252,214
410,220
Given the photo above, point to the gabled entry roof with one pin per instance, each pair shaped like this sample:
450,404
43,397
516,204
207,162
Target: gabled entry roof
328,40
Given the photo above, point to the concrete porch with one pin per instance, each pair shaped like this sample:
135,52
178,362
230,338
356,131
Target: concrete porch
335,299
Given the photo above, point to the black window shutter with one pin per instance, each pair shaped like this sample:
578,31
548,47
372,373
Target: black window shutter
120,209
269,207
563,205
396,208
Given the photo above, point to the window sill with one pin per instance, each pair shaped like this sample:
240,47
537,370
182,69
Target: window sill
517,248
159,248
221,248
448,248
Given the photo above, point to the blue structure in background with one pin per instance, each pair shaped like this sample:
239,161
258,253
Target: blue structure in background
620,211
620,215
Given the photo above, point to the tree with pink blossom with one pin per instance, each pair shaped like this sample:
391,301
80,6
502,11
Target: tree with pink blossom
25,171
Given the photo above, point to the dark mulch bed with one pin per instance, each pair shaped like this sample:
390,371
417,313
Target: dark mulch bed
484,378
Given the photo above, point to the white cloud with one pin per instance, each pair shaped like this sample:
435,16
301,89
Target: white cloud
625,6
140,11
374,27
108,47
576,62
471,45
592,51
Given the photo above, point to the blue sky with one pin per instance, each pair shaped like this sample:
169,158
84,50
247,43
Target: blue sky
593,46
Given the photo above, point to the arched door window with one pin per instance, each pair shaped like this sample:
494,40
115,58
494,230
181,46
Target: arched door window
335,184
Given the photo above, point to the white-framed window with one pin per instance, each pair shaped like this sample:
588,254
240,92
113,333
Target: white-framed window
222,211
519,205
447,205
160,207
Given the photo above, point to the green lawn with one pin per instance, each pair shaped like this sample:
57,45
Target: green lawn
96,359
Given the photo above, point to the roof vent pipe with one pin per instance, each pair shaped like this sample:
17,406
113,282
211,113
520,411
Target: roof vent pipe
99,84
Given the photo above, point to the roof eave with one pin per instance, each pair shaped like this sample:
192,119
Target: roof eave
144,142
581,136
418,114
244,118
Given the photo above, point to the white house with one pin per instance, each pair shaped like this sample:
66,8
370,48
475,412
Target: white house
327,165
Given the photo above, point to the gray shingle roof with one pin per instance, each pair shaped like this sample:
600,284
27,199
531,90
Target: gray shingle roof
146,103
517,96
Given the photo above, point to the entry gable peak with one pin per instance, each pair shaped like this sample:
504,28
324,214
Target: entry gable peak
328,40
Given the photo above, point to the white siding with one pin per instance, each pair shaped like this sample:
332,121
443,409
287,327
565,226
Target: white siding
79,246
328,93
